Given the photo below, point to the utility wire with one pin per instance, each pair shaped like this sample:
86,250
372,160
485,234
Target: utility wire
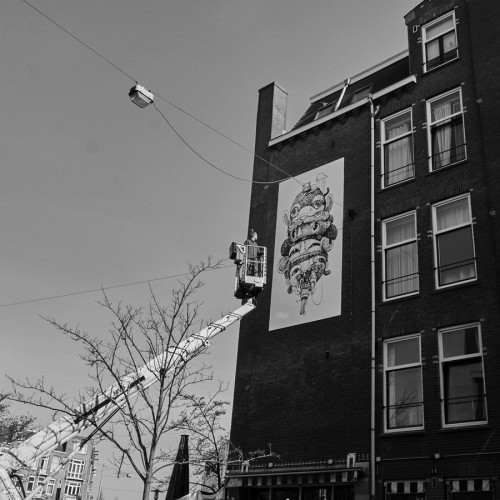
205,159
72,294
78,39
175,106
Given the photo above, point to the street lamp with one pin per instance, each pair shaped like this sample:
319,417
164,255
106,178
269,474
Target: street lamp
141,96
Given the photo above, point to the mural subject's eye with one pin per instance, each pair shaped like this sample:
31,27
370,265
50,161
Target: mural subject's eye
294,211
315,226
318,202
294,234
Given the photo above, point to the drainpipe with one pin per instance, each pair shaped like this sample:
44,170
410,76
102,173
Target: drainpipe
373,113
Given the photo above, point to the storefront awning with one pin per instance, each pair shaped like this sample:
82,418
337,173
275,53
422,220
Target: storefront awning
468,485
345,476
405,487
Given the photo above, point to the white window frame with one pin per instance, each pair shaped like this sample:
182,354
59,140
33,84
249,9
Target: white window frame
394,368
427,40
72,488
442,361
431,125
39,482
387,142
386,247
76,445
30,484
76,469
54,463
49,490
43,463
436,234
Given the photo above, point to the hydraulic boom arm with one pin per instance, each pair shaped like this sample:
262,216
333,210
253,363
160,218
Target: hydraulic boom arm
104,406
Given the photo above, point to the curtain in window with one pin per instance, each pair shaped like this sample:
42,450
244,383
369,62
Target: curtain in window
441,147
455,248
453,214
399,155
401,261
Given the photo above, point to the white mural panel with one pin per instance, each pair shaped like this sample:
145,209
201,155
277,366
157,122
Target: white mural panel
307,271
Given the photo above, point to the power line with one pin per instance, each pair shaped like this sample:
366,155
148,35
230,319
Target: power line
175,106
199,155
53,297
78,39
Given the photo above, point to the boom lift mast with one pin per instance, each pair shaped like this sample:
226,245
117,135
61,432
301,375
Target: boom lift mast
104,406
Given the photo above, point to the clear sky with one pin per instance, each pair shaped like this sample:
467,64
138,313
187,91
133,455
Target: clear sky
97,192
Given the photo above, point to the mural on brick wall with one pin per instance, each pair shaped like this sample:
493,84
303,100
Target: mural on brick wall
308,249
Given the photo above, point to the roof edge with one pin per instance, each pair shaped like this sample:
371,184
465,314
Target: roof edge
361,75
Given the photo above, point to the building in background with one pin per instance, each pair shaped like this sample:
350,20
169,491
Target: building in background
73,481
371,363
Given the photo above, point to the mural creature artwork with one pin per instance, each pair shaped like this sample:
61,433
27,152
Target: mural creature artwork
311,232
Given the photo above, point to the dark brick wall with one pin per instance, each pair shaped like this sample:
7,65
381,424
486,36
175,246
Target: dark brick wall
288,392
309,406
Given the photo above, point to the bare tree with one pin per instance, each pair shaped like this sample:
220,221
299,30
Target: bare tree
136,335
210,450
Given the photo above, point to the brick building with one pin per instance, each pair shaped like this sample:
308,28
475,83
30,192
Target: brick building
371,363
71,481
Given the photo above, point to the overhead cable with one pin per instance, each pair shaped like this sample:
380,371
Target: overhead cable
175,106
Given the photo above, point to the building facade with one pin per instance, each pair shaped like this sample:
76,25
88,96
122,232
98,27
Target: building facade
370,366
64,477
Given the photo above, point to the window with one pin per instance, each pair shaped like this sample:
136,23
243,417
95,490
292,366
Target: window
50,487
39,482
440,41
76,447
403,399
453,242
446,130
54,464
361,94
75,469
463,392
72,488
400,264
43,462
397,147
30,486
325,110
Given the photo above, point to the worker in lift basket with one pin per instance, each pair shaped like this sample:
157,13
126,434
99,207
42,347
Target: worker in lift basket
254,254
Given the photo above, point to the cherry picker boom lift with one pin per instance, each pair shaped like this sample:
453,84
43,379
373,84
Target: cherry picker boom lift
250,279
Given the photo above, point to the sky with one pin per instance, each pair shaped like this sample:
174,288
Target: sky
97,192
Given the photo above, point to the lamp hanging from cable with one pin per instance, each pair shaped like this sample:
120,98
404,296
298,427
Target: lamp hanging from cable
141,96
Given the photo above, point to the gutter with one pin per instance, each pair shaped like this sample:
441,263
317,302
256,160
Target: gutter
373,113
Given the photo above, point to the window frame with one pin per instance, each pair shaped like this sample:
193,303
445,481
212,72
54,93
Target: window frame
386,247
43,463
453,360
322,112
386,142
30,484
72,488
449,119
361,93
426,41
76,469
436,233
395,368
83,451
50,488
